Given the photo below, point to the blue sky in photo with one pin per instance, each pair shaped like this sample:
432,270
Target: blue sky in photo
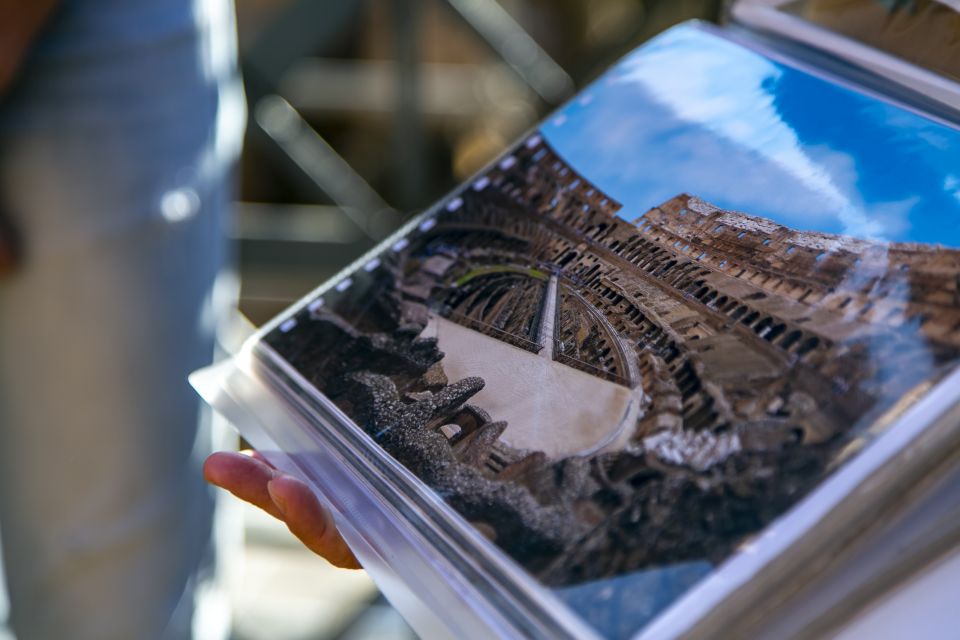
692,112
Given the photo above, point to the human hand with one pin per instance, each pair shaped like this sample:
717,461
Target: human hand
251,478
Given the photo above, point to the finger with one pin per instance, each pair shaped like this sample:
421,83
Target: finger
309,521
256,455
244,476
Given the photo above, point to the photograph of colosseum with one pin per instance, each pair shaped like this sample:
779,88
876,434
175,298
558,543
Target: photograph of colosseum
598,395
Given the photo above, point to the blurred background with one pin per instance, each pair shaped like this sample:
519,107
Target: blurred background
361,113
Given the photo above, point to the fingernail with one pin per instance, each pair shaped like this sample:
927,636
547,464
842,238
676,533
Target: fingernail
277,499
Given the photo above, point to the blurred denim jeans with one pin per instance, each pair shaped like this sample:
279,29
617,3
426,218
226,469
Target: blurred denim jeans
116,154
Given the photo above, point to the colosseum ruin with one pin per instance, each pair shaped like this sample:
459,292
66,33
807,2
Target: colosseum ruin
623,394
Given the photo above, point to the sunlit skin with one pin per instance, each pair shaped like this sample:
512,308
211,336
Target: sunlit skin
248,476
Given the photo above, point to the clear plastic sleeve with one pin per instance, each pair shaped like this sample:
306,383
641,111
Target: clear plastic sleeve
573,398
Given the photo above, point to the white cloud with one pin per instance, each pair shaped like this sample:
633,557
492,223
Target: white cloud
650,156
952,186
726,95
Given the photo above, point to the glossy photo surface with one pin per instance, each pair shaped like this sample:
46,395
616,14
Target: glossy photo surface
658,322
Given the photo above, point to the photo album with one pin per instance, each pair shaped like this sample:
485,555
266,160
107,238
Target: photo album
716,290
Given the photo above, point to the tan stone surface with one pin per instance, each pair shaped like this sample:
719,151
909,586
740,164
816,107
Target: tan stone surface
548,406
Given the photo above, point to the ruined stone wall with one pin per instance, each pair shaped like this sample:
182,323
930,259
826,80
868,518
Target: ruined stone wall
758,349
753,319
